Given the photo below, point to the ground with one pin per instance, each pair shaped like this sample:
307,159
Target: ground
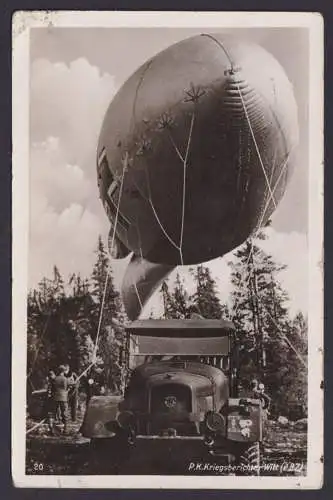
284,451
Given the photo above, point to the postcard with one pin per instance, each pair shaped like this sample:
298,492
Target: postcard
167,250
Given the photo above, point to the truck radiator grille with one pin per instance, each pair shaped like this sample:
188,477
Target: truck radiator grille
171,398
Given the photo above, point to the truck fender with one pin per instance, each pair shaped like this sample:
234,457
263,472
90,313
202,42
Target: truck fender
100,417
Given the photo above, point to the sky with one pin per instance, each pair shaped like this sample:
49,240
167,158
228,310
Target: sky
74,74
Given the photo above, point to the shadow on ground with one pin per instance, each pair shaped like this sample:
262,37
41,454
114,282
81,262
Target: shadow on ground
284,454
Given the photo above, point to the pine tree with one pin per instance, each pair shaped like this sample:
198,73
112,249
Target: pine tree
180,305
297,357
53,338
84,345
38,349
205,298
58,288
111,340
167,300
63,324
177,303
42,308
179,299
102,287
260,314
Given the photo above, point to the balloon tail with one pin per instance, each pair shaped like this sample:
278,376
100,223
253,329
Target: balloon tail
140,281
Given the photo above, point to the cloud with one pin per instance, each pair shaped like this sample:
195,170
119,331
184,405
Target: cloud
66,239
64,224
67,104
51,176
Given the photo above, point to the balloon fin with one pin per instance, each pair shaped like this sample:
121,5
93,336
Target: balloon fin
140,281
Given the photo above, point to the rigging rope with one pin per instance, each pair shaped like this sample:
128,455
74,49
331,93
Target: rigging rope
283,335
161,225
125,165
271,197
155,212
138,295
175,146
184,189
283,168
137,227
256,145
268,182
184,161
271,192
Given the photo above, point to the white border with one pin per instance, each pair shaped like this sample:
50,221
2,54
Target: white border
22,22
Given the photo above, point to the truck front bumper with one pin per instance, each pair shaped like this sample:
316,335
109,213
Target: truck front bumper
173,455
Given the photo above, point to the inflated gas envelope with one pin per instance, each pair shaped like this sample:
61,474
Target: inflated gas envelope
195,153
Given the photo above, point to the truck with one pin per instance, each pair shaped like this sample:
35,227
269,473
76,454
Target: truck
181,411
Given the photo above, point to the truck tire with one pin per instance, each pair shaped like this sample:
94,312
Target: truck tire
249,460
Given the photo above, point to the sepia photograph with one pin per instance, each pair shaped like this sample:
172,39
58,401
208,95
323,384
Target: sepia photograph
167,250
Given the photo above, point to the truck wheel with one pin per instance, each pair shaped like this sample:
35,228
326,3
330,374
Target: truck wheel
249,460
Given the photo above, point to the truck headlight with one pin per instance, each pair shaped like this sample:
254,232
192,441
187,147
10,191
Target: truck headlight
215,422
126,419
244,407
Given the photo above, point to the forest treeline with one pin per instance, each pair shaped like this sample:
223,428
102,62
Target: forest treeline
64,318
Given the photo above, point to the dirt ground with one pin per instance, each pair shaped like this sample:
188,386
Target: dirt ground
284,452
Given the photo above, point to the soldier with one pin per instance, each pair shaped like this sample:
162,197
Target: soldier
88,383
73,391
61,396
49,401
258,390
266,400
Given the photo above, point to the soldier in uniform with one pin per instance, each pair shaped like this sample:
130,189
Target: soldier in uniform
49,401
72,392
61,396
258,391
